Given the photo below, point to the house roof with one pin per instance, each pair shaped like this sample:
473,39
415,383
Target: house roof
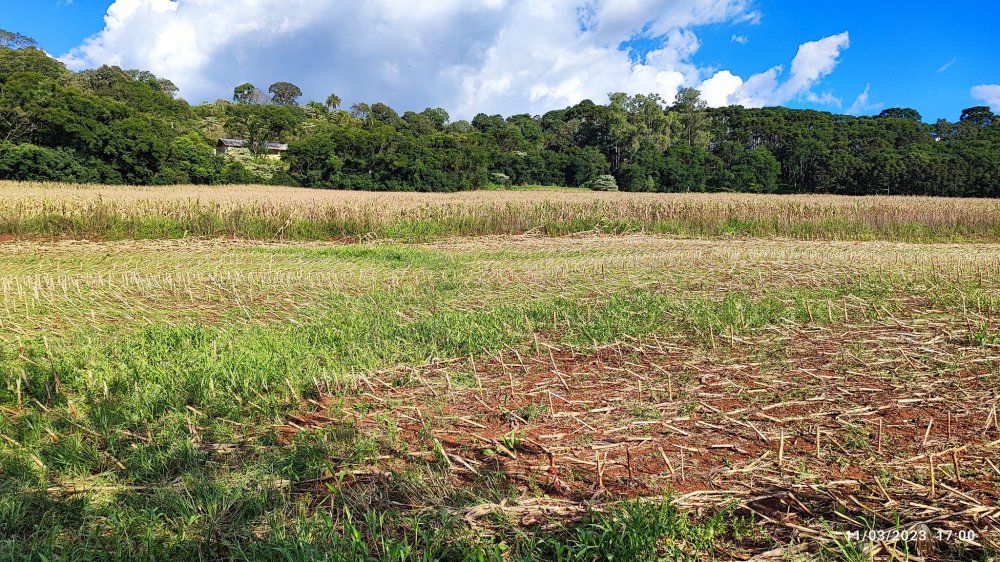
240,143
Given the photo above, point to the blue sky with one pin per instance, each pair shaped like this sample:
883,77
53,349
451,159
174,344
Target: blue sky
57,25
921,54
900,48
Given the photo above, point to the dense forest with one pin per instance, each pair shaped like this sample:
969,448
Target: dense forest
111,125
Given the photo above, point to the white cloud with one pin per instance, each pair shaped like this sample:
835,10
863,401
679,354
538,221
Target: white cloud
497,56
717,90
948,64
814,61
740,39
861,102
862,105
989,94
825,98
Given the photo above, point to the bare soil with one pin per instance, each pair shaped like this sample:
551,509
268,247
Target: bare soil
836,429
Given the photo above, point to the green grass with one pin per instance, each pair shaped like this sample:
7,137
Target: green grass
640,531
124,409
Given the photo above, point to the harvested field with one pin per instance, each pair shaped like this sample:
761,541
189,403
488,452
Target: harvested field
499,398
817,434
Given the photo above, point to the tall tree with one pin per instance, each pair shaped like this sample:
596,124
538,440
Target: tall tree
105,80
439,117
13,61
383,113
333,102
692,122
284,93
167,87
259,125
12,40
980,115
901,113
248,94
147,77
16,123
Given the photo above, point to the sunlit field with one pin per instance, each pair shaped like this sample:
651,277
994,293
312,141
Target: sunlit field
264,373
264,212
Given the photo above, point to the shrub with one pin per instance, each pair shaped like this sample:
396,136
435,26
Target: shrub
500,179
30,162
605,182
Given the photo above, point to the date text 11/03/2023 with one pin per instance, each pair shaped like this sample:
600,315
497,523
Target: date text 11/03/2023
910,535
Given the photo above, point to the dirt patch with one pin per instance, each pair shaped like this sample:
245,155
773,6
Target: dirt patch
841,432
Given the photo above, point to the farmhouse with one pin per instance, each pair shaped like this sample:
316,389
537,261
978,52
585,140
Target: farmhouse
274,150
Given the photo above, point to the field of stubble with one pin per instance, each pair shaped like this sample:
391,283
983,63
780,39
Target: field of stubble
260,373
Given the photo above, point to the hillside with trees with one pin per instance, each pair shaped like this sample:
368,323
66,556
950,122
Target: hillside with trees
116,126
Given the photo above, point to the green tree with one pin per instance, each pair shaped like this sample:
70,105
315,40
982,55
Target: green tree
104,81
531,130
284,93
488,123
114,125
313,161
15,61
944,129
12,40
135,147
419,124
150,79
686,168
691,122
384,114
16,123
361,111
755,170
437,116
901,113
192,160
248,94
980,116
28,162
259,125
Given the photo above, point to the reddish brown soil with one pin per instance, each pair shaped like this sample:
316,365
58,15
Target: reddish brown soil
652,417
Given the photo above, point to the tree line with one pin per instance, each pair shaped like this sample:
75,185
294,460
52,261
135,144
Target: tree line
115,126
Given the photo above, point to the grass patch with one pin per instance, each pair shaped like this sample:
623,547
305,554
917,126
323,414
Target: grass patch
153,434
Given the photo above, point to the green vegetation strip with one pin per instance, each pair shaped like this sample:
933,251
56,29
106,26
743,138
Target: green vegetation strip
121,412
108,125
106,431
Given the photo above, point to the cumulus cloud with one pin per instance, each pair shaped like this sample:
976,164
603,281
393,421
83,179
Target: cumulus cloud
814,61
989,94
717,90
364,51
498,56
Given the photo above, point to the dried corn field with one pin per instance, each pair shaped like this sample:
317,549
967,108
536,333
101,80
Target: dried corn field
201,373
31,210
